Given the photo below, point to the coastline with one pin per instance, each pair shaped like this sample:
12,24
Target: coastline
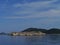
33,32
27,33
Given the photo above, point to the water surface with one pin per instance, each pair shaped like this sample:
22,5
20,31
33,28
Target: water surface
30,40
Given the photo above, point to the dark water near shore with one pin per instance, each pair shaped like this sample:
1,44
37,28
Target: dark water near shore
30,40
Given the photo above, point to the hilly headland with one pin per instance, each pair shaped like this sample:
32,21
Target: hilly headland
33,32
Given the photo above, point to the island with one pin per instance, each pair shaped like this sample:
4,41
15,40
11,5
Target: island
33,32
3,33
29,32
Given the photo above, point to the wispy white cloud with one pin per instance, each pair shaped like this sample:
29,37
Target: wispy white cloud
49,14
34,10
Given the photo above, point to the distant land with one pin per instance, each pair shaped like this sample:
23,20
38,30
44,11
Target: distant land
33,32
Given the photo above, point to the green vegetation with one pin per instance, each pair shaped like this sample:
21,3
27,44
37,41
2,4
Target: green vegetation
50,31
34,31
53,31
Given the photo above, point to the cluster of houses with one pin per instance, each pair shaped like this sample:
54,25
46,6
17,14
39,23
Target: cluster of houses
27,33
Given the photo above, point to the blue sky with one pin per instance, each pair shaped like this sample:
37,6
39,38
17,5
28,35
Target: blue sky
17,15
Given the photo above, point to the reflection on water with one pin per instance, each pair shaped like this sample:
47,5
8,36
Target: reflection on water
30,40
53,39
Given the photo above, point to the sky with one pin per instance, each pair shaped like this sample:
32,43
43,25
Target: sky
17,15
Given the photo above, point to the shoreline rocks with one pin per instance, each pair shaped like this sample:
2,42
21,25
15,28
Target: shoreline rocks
27,33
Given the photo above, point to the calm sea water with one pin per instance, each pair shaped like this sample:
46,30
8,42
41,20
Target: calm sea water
30,40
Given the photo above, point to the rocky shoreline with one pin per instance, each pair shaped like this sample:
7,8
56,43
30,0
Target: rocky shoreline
33,32
27,33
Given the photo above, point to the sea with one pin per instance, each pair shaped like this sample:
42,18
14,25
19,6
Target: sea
49,39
